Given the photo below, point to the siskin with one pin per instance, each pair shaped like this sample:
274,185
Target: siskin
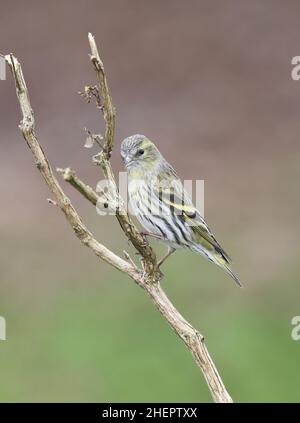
162,206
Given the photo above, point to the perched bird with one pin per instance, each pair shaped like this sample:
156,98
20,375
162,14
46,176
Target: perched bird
162,206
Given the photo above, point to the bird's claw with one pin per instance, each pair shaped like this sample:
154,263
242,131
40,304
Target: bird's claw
160,273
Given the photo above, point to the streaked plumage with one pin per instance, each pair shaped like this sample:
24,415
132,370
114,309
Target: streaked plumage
162,206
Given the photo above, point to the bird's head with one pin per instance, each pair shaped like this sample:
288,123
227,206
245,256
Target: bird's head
139,153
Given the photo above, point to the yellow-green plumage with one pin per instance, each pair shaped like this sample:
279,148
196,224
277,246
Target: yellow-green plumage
163,207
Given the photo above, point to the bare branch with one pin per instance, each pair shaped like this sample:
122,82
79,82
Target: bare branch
148,279
27,127
103,157
105,202
88,192
192,339
109,112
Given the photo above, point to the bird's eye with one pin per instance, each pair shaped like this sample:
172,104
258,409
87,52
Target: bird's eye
140,152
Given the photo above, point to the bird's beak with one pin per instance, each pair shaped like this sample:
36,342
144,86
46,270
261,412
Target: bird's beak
126,160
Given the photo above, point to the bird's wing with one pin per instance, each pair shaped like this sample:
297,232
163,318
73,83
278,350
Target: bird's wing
179,202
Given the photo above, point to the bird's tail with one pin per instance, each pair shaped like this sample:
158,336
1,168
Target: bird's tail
220,258
224,263
233,275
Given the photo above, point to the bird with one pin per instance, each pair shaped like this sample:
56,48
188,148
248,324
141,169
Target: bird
162,206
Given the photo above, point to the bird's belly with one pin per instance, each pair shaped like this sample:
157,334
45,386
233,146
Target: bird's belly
155,222
139,207
147,220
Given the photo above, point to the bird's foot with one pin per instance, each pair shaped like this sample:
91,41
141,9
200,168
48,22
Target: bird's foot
161,275
164,258
145,234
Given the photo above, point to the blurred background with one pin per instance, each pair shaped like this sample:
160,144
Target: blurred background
210,83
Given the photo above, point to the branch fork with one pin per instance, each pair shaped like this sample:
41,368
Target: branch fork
148,277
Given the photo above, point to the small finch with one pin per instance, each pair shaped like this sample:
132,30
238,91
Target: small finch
158,199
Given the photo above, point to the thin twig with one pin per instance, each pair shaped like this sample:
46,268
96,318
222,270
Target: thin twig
88,192
103,159
127,257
